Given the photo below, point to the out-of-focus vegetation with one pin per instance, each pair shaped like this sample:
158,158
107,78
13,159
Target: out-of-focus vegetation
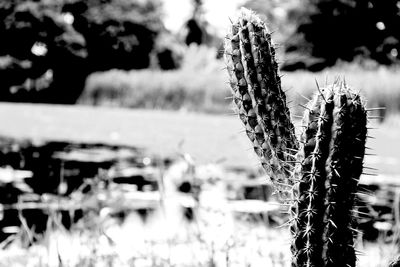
318,33
118,206
49,47
202,88
379,85
200,85
344,30
281,16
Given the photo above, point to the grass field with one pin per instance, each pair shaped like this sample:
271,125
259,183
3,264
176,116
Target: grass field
208,138
218,236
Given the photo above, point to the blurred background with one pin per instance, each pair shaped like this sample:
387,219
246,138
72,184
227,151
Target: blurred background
119,146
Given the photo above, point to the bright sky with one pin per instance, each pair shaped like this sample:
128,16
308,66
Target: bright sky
217,12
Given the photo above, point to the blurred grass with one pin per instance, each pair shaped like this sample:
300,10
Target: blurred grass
379,85
217,236
201,85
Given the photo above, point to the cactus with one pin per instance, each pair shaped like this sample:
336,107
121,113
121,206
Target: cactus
330,149
332,152
259,99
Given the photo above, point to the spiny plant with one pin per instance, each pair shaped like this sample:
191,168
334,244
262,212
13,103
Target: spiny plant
260,101
319,173
331,152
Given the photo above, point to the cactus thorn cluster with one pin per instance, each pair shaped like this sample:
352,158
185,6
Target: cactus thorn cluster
320,171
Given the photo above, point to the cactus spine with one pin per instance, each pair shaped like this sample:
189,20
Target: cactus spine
330,149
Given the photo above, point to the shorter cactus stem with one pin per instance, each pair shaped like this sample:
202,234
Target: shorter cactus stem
332,151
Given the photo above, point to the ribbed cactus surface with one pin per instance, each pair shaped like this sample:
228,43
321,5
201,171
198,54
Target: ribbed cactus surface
259,99
321,170
332,152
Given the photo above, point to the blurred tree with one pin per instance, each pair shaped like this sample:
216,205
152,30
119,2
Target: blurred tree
282,17
346,29
40,53
195,31
119,33
49,47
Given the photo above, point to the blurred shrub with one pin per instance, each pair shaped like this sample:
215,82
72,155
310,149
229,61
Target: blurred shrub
167,52
200,84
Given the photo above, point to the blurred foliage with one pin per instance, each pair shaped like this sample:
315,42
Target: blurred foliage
198,30
49,47
198,85
346,29
281,15
318,33
119,33
195,31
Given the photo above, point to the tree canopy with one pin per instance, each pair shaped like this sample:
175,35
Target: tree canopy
344,29
55,44
318,33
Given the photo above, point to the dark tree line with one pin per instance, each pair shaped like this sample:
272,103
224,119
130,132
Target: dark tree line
345,29
49,47
318,33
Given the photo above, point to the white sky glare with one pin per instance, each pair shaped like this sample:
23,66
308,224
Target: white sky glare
217,13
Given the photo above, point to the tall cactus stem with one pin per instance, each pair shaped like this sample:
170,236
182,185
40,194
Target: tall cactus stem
259,99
